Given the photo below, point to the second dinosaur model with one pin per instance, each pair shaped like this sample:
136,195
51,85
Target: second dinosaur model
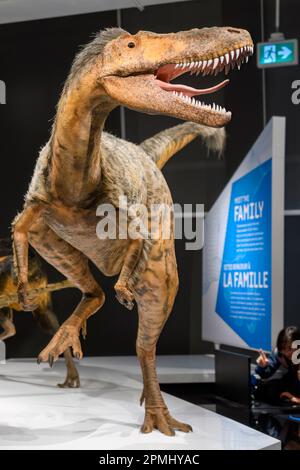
42,309
82,167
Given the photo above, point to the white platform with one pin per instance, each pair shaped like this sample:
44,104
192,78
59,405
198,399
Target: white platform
105,412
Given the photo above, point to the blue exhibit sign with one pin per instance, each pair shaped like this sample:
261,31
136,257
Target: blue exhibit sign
243,253
244,299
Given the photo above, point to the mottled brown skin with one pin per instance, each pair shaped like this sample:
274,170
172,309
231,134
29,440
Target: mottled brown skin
82,166
41,307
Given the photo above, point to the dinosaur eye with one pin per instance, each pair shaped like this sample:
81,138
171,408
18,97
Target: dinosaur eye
131,45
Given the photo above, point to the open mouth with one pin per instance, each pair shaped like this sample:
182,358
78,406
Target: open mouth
168,72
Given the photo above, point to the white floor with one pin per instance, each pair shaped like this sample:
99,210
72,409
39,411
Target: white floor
105,412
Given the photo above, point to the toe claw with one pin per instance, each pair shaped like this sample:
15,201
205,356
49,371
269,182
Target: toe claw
50,360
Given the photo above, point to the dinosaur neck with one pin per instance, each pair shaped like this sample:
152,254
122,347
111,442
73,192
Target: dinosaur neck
75,143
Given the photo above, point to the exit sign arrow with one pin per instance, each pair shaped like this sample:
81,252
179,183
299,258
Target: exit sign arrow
284,52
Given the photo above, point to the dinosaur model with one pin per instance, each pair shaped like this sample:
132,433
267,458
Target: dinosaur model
82,166
42,310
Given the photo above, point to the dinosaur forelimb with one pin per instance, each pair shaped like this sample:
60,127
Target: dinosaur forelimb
21,226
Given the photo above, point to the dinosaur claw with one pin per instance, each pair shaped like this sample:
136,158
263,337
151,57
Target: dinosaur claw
38,361
124,296
50,360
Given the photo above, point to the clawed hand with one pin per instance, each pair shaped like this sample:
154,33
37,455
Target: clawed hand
124,295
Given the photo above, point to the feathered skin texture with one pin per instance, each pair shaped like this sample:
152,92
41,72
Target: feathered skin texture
41,308
82,166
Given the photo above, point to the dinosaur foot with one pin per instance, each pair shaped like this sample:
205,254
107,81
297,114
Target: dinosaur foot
160,418
124,295
67,336
72,380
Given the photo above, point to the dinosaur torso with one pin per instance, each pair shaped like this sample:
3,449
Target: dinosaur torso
126,171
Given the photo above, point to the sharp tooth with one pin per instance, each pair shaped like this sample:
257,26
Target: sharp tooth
199,64
176,66
247,58
192,65
209,63
216,61
232,54
251,49
239,66
198,71
188,64
221,59
227,58
204,64
242,49
237,53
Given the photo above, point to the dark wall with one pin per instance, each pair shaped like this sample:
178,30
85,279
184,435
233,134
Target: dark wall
279,103
279,91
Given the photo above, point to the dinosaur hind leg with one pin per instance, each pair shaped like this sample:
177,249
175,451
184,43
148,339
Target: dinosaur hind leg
7,325
155,294
47,321
74,266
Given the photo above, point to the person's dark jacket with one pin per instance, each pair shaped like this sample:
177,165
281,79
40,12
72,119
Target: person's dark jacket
275,360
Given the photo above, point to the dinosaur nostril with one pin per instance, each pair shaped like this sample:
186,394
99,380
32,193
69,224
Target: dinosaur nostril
231,30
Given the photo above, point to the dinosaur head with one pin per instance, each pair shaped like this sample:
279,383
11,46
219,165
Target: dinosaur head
137,70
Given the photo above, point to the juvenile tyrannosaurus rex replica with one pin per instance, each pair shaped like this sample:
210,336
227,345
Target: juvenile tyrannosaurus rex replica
81,167
42,310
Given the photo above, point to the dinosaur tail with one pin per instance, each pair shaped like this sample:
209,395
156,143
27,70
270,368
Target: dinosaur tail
165,144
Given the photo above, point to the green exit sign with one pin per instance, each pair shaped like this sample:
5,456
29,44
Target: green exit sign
277,54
